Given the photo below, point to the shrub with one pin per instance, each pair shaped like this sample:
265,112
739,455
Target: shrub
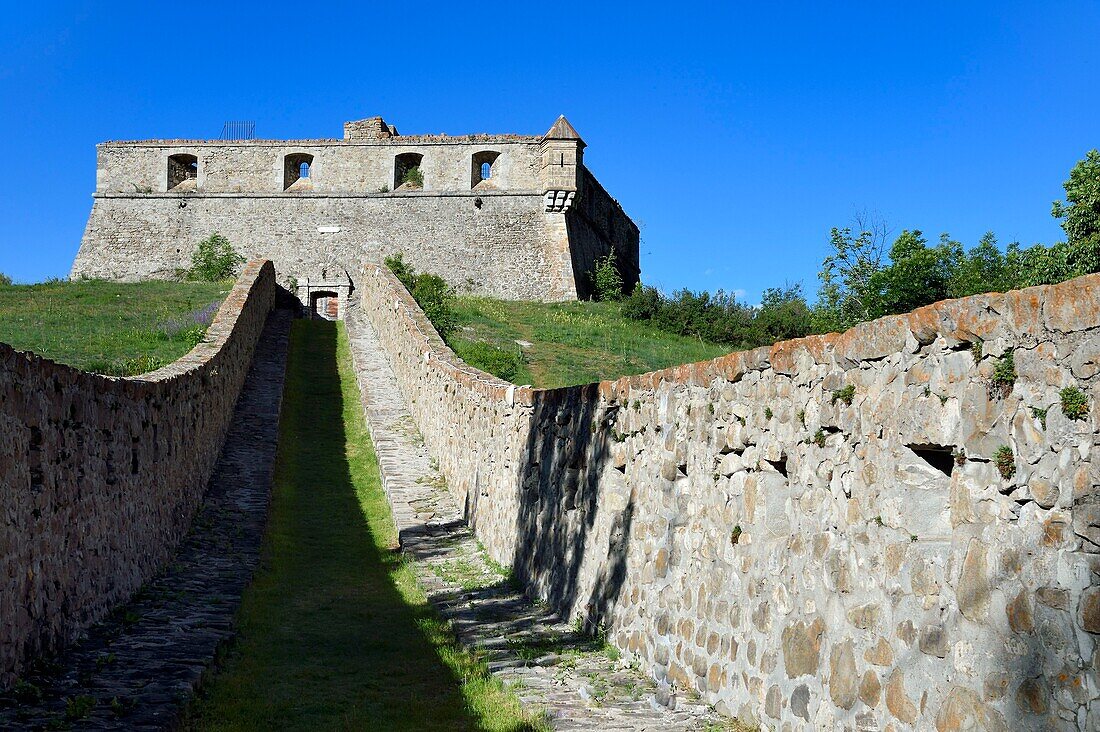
607,283
413,177
402,270
431,292
1004,371
5,281
215,259
846,395
1005,461
435,298
500,362
1075,405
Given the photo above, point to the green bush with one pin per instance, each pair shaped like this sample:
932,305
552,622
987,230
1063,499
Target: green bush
402,270
215,259
607,283
431,292
1005,461
413,177
500,362
1075,405
5,281
720,318
846,395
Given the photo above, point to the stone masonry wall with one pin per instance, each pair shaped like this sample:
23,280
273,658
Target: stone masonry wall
507,247
598,225
101,476
743,531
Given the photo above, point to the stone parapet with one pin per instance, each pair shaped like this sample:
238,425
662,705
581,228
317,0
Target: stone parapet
101,476
863,530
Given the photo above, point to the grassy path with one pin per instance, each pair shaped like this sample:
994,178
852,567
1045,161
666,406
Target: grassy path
334,631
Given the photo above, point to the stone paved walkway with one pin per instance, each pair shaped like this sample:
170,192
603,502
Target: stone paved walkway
135,670
574,680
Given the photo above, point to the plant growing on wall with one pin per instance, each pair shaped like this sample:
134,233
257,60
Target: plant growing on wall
413,177
1075,405
1005,461
214,259
1004,375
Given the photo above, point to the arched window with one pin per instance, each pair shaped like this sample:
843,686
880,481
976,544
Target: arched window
481,167
183,172
296,168
406,171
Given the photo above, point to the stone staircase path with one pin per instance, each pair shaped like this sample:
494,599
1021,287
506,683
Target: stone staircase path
136,669
576,681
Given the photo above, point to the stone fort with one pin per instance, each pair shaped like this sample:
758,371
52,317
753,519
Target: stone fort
854,531
510,216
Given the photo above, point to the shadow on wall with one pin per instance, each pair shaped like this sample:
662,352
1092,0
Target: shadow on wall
565,479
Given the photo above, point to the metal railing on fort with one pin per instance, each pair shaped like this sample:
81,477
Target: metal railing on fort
238,131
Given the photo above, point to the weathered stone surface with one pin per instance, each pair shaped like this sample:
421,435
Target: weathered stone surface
896,699
1089,610
870,689
843,677
933,641
974,586
879,654
964,710
802,647
800,700
1019,614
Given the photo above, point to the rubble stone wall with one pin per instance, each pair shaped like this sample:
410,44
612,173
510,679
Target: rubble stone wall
101,476
498,244
816,535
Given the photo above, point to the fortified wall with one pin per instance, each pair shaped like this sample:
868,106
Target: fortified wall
102,475
510,216
817,535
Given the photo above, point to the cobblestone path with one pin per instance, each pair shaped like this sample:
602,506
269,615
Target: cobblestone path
136,669
576,681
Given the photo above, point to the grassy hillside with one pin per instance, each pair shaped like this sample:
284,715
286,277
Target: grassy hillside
571,343
109,327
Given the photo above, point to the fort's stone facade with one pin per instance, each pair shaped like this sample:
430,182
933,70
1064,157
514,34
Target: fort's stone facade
801,553
101,476
511,216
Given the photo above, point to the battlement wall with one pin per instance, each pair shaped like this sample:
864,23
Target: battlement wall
337,166
815,534
102,475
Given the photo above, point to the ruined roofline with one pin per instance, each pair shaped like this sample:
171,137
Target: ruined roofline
331,141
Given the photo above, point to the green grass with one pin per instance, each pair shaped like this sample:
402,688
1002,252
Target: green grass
335,632
109,327
574,342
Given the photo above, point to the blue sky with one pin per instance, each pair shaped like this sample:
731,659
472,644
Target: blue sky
736,136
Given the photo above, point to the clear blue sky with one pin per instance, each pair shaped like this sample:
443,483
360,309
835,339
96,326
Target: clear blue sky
736,137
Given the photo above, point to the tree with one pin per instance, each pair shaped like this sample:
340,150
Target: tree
847,292
917,274
1080,214
983,269
215,259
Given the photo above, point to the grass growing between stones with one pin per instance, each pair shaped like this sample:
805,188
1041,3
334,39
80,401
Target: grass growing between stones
573,342
335,632
120,328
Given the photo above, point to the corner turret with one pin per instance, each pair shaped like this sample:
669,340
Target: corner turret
561,156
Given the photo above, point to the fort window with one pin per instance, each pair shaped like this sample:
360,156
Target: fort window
296,169
481,167
183,171
407,172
